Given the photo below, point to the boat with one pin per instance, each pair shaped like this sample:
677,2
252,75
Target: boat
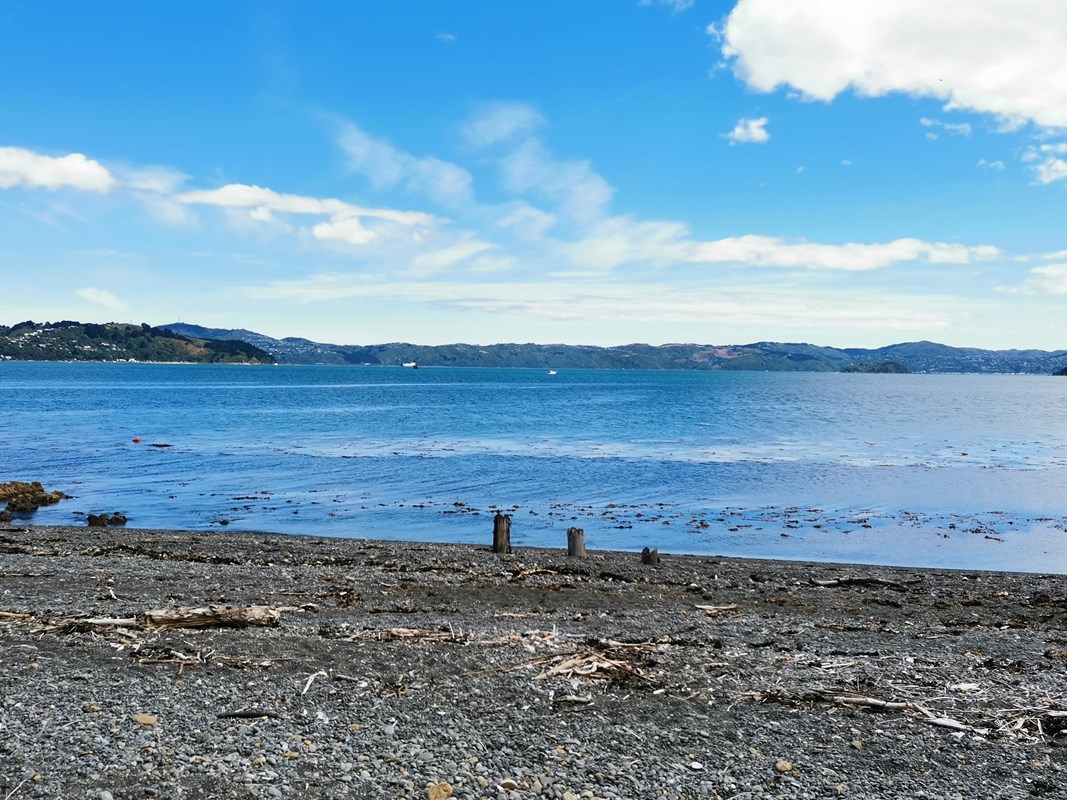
551,372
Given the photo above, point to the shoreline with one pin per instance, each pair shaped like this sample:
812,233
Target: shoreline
395,668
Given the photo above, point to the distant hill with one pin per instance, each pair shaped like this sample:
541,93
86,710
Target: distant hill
118,341
761,356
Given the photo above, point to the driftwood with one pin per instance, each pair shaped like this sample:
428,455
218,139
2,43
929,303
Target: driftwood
576,542
201,617
848,581
650,557
502,533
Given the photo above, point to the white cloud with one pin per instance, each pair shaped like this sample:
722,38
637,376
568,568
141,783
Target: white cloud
752,131
435,260
767,251
386,167
1048,168
101,297
345,221
627,240
526,221
580,192
984,164
340,229
676,6
500,122
31,170
1049,279
960,128
755,305
447,38
989,56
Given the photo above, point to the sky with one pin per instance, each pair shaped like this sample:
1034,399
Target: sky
841,172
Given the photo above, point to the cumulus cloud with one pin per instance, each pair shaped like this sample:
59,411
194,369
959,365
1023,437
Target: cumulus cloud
749,131
386,167
25,168
101,297
1046,162
768,251
988,56
984,164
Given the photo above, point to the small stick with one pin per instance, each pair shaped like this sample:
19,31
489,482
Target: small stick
311,679
12,792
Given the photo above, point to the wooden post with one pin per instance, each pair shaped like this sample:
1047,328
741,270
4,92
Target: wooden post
502,533
576,542
650,557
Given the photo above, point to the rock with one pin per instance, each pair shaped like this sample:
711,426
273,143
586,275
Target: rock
25,498
439,791
148,720
784,766
509,785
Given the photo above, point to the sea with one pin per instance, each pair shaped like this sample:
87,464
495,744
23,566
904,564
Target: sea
953,471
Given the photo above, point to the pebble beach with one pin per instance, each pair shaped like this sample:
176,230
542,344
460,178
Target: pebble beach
397,670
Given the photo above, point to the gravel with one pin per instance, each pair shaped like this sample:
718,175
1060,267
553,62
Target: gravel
405,670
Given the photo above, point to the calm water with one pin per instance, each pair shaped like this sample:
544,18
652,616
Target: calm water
946,470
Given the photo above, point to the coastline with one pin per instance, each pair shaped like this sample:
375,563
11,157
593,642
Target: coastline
398,667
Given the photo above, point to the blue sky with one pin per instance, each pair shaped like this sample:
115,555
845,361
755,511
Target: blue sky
843,172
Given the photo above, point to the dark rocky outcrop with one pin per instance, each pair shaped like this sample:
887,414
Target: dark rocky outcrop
25,498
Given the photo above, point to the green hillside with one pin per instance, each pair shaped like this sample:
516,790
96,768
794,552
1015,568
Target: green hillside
116,341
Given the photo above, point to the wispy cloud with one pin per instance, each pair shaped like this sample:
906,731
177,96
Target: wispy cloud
957,128
749,131
101,297
676,6
386,167
768,251
25,168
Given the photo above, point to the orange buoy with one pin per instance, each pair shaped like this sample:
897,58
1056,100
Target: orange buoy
136,439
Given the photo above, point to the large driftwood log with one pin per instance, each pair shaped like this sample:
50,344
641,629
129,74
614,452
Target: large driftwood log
198,617
576,542
211,617
502,533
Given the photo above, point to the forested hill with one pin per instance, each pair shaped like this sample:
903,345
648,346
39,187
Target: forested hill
78,341
762,356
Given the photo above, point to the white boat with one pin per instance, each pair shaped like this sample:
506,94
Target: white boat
551,372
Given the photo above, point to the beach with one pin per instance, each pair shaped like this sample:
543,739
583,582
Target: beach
386,669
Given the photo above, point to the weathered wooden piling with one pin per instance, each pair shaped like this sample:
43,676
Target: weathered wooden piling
576,542
502,533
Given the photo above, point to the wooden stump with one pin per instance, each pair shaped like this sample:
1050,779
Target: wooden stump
576,542
650,557
502,533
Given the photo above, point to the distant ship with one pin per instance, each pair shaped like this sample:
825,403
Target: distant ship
551,372
412,364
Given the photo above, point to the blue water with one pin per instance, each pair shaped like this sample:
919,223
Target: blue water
938,470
